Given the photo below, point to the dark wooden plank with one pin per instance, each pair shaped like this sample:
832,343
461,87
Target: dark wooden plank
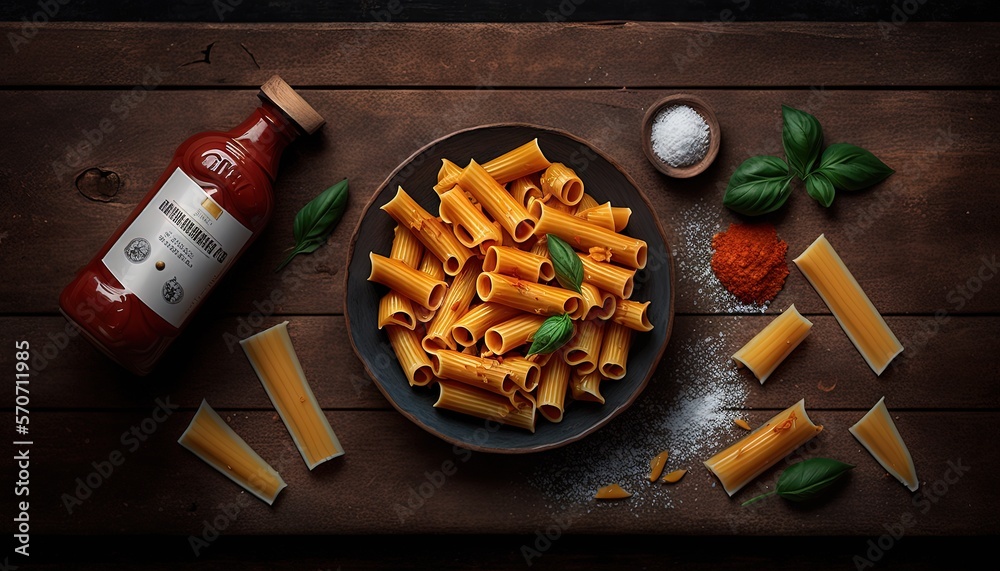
590,55
933,221
162,488
493,553
949,369
500,11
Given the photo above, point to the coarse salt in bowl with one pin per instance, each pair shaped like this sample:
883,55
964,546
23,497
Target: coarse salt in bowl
680,135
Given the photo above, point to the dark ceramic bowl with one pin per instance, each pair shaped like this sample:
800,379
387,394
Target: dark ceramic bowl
605,181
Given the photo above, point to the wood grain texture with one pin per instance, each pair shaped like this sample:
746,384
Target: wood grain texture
576,55
952,369
161,488
923,216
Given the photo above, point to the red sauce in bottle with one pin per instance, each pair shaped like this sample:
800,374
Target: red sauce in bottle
141,289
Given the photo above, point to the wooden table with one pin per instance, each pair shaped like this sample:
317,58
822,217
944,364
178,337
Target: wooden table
921,96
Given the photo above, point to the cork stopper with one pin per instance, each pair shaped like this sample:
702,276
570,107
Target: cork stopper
291,103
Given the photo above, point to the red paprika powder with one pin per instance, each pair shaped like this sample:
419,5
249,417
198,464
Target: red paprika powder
749,260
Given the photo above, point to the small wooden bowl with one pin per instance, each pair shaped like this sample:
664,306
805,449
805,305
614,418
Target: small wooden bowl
714,136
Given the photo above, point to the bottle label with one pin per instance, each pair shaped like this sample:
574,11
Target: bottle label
176,249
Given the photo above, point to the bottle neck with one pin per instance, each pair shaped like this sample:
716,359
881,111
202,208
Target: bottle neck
264,135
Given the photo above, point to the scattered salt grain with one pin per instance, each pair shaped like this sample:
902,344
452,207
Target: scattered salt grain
680,136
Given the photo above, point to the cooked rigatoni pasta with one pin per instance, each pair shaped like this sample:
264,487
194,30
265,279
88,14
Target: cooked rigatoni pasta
431,232
597,304
561,182
584,350
586,387
469,400
863,324
586,202
489,249
526,296
408,282
608,277
519,264
469,224
511,215
212,440
749,457
448,171
524,189
513,333
411,356
277,366
583,236
455,305
552,387
777,340
472,326
471,370
523,372
614,350
432,266
601,215
633,315
621,215
393,307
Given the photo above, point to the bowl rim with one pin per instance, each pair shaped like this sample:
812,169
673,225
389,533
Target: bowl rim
529,449
715,135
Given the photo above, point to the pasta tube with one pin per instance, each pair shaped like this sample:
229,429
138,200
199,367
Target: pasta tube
512,333
469,224
749,457
519,264
878,434
431,232
411,356
584,349
520,162
586,387
526,296
511,215
456,303
583,236
777,340
410,283
614,351
212,440
847,301
472,326
608,277
561,182
552,389
633,315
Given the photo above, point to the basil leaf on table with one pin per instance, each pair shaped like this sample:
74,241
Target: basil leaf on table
850,167
551,335
820,188
568,267
759,185
807,480
802,137
317,220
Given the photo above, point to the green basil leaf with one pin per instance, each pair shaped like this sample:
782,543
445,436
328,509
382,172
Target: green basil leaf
820,188
802,137
806,480
317,220
569,268
850,167
555,332
759,185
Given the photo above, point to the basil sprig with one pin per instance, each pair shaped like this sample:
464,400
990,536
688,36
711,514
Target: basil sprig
317,220
569,268
802,137
759,186
807,480
849,167
553,333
